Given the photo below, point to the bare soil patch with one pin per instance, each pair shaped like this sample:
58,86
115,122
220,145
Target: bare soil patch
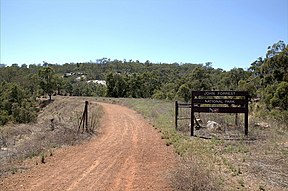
56,126
128,154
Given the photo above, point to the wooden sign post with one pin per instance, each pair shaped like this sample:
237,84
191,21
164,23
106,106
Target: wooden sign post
239,105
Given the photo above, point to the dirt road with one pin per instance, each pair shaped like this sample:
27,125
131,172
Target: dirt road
128,154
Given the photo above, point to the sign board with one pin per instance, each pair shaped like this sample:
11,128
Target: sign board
219,105
220,101
219,93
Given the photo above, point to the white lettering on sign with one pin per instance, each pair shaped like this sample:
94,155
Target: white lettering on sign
230,101
213,101
209,93
226,93
214,110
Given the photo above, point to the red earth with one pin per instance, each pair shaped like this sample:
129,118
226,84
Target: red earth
128,154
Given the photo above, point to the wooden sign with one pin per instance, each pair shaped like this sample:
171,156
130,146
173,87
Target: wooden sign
219,93
220,101
239,105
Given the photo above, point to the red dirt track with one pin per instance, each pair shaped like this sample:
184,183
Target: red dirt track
128,154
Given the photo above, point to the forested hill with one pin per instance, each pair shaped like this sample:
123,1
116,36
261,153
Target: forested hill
266,80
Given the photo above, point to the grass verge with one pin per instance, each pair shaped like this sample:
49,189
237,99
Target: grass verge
219,164
57,126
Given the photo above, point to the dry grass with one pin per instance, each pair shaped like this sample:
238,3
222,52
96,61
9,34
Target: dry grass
57,126
193,175
258,161
227,160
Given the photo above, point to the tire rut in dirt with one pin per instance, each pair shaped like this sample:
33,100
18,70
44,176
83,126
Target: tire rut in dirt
128,155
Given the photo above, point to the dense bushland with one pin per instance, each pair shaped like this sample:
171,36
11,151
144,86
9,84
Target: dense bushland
16,104
266,80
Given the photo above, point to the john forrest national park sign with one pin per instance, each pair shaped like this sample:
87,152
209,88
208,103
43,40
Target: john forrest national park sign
219,102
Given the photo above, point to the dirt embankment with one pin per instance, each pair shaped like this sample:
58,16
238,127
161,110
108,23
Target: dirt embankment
128,154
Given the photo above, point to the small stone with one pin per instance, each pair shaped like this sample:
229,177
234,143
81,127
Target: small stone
212,125
262,125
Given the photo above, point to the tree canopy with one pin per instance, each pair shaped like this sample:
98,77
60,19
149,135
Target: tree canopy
266,80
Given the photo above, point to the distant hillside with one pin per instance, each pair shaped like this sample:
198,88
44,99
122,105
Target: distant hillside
265,80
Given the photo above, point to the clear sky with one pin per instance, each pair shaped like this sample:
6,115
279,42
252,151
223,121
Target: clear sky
228,33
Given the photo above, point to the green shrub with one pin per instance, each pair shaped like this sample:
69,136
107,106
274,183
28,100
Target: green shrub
280,97
16,104
4,117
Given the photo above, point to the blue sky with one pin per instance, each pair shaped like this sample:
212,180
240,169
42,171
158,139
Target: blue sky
228,33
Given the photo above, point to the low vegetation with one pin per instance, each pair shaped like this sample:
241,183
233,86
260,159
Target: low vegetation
57,126
16,104
258,161
266,80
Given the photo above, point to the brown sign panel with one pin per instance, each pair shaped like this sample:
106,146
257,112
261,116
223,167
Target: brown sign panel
240,101
220,101
219,93
220,109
